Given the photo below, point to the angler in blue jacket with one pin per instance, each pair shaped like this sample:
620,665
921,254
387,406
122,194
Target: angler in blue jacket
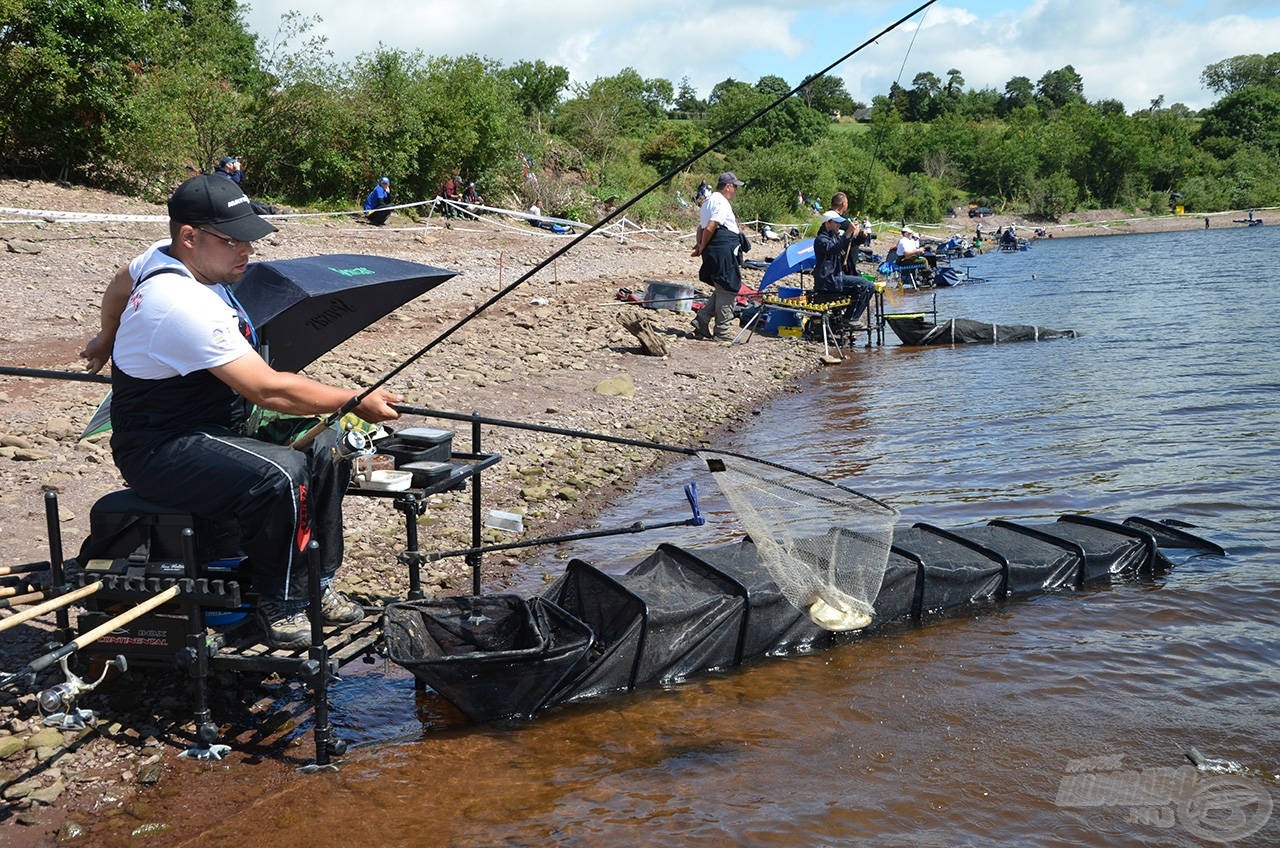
379,197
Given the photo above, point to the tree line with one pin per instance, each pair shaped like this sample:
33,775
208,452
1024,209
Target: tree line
133,95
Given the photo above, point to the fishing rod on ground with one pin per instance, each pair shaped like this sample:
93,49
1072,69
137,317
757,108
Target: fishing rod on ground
20,600
14,570
84,377
309,436
39,664
695,520
49,605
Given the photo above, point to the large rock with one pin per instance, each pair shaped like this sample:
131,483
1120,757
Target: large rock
11,746
619,385
48,737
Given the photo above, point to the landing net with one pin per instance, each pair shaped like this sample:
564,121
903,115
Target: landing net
825,545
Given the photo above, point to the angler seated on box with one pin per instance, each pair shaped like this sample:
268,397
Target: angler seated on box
836,237
185,375
912,259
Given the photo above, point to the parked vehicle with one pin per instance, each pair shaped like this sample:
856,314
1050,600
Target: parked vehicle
980,211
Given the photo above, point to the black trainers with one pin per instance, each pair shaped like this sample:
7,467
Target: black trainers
284,625
337,608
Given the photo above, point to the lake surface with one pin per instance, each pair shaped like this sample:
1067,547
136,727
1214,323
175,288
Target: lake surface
975,730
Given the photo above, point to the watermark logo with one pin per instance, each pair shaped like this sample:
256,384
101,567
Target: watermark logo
1213,807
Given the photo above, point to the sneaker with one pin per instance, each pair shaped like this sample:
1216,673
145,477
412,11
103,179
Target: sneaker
284,625
337,608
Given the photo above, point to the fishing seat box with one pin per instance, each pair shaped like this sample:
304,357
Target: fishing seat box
123,525
133,541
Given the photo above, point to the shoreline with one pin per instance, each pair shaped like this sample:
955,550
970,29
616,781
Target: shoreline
1084,224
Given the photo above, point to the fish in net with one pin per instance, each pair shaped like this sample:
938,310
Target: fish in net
825,545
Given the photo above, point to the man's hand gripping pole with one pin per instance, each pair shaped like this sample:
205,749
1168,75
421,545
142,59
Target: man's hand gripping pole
304,441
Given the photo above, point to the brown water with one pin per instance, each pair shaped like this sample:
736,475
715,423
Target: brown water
970,731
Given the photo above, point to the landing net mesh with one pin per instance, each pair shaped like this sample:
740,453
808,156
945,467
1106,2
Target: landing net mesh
825,545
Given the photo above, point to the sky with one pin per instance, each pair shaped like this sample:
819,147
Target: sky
1134,52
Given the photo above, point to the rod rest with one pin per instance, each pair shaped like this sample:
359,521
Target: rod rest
122,587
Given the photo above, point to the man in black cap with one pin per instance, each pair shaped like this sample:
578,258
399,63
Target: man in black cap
718,242
184,379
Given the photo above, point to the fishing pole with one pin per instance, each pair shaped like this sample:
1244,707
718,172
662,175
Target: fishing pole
695,520
879,138
55,603
21,600
13,570
309,436
82,376
40,663
713,464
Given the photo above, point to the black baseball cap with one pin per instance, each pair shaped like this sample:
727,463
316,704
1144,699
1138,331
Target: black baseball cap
211,199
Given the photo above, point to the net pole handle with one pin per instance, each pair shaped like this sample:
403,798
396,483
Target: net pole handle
691,492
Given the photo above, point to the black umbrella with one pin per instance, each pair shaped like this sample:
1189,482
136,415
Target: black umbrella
303,308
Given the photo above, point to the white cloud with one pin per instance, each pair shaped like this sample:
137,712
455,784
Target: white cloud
1131,50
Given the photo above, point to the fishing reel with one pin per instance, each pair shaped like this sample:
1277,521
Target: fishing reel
58,703
353,444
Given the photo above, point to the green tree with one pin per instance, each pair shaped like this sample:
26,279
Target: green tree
295,53
609,108
1238,72
537,86
1019,92
718,90
1050,197
920,99
389,105
471,122
1249,116
687,100
773,86
673,143
791,122
827,94
1253,178
1060,87
67,69
308,144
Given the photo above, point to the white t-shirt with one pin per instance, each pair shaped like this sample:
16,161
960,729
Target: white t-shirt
173,324
155,256
716,208
906,244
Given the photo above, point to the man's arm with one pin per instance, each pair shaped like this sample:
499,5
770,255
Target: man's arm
704,237
98,349
293,394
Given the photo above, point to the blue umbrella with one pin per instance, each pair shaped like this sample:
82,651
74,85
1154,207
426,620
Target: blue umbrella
798,256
